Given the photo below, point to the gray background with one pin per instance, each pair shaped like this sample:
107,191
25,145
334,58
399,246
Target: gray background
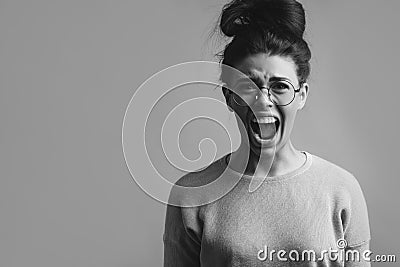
69,69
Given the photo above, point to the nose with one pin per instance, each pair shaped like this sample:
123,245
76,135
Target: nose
262,98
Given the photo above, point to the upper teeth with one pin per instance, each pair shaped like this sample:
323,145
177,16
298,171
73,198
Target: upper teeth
264,119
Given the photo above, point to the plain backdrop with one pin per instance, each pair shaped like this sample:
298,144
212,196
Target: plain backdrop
68,70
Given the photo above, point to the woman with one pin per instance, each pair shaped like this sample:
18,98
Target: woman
301,202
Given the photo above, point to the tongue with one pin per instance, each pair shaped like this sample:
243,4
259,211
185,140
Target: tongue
267,130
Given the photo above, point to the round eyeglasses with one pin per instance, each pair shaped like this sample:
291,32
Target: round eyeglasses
281,93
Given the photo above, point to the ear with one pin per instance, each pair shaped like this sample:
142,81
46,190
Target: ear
303,94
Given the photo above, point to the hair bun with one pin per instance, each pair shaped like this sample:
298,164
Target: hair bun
282,17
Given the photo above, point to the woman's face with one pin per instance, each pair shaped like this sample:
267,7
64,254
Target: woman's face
274,122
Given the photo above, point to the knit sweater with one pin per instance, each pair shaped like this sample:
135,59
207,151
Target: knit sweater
308,209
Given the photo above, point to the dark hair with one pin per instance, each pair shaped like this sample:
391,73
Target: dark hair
275,27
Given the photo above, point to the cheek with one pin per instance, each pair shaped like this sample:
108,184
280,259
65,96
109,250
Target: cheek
289,116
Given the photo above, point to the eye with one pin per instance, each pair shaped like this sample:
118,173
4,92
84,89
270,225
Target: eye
281,87
246,87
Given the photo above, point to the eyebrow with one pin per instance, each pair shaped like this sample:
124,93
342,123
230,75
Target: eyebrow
258,81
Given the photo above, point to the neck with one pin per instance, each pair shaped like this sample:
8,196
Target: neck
284,160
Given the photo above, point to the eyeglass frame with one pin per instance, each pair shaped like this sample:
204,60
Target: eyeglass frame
269,94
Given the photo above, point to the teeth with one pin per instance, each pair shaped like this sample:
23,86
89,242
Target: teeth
264,120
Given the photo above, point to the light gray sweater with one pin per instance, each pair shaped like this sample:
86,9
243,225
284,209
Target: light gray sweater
309,209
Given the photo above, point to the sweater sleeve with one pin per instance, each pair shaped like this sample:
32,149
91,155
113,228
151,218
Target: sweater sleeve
181,243
356,230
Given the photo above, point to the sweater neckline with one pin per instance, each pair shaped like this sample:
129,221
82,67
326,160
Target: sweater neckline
306,165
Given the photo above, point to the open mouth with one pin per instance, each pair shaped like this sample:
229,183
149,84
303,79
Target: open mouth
264,128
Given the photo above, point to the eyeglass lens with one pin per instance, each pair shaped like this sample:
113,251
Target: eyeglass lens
280,93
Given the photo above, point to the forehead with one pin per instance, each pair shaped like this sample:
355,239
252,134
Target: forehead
263,67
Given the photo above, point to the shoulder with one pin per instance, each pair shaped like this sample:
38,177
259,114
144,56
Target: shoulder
197,188
335,176
203,176
329,169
